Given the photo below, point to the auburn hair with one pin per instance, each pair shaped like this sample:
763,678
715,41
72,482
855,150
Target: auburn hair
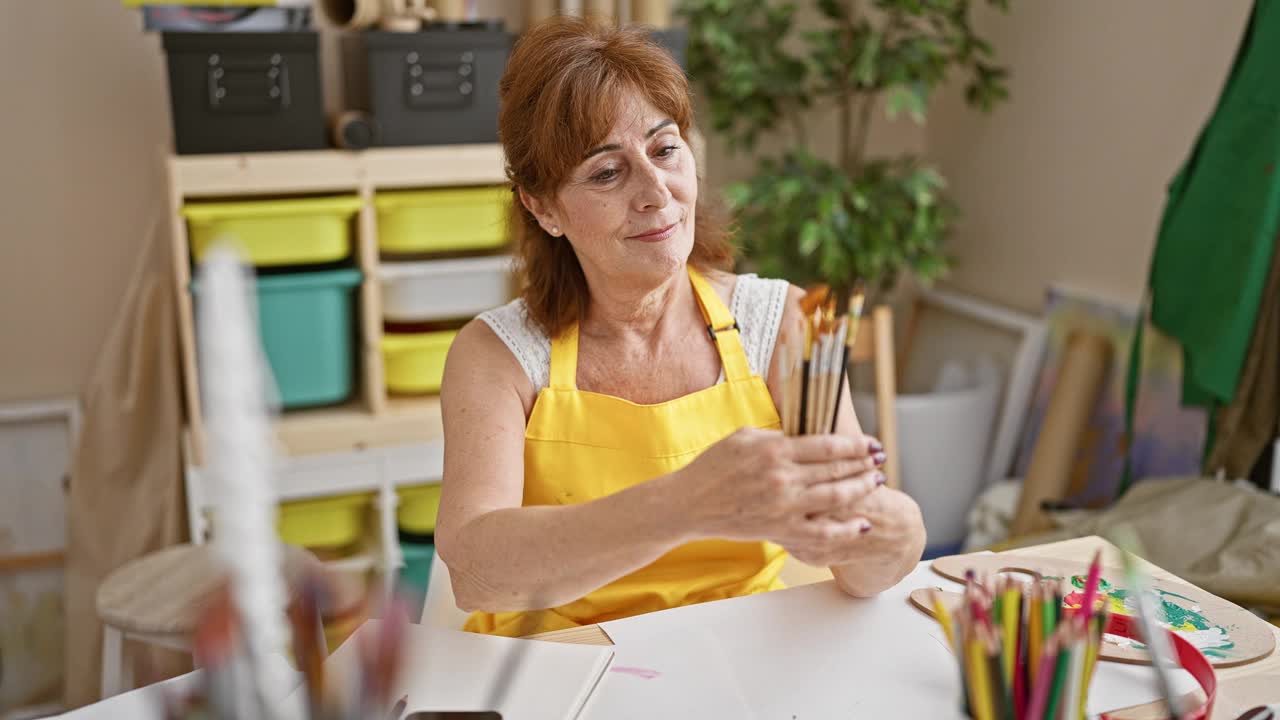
559,97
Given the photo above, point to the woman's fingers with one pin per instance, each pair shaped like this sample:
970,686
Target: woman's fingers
837,497
836,470
825,541
829,448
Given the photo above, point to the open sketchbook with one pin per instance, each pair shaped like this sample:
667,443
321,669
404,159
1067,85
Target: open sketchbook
451,670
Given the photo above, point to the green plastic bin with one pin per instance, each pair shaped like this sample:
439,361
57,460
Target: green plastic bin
307,323
415,576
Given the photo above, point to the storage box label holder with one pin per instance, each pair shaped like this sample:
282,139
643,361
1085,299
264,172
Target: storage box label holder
239,85
435,81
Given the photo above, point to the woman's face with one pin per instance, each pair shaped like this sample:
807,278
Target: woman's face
628,207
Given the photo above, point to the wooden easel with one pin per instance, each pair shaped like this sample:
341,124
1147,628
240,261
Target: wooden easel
877,347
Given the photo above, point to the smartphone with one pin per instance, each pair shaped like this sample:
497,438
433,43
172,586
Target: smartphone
455,715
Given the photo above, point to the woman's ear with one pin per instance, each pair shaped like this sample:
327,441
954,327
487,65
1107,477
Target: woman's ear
541,212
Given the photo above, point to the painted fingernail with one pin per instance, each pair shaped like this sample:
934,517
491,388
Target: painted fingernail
875,446
866,527
881,479
879,458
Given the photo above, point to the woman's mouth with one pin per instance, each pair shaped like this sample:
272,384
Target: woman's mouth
655,235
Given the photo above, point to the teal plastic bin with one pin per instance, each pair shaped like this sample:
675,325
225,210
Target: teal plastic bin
415,576
307,323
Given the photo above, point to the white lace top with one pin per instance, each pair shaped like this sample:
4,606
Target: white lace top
757,305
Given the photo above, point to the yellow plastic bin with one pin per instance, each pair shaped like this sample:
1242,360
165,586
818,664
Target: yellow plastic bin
417,510
325,523
414,362
438,221
276,232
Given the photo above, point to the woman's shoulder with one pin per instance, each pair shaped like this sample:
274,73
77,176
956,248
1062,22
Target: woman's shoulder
508,333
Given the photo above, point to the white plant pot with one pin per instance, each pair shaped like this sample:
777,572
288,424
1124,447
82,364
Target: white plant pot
943,439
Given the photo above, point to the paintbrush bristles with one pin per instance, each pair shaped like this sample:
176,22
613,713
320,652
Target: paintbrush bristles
815,375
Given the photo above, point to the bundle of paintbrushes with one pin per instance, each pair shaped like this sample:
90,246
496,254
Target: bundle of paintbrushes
816,372
1022,654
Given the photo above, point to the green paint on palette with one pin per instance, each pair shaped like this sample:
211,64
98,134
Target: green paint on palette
1213,640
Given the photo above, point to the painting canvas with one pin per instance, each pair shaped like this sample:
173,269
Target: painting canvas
35,448
1168,438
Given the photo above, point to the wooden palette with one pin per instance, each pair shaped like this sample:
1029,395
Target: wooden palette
1227,634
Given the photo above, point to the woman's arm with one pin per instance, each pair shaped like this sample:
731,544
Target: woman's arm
504,557
896,540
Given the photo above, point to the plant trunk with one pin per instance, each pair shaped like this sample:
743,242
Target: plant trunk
858,143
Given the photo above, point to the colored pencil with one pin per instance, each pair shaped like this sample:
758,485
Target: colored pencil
1074,692
1051,606
979,671
944,617
1010,619
1034,621
1057,690
1091,586
1091,657
1039,698
1001,695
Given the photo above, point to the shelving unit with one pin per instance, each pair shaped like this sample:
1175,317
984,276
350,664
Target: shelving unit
370,421
373,443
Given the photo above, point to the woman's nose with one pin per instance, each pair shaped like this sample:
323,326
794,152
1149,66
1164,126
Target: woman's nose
652,193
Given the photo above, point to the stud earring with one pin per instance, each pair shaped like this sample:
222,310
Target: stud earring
555,230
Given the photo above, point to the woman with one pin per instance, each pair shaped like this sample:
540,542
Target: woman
611,443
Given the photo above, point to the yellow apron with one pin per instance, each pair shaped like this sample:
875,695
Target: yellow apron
581,445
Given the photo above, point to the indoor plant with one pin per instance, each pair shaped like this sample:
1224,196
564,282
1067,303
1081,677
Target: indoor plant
822,210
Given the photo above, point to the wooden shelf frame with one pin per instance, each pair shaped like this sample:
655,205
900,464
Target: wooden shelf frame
375,420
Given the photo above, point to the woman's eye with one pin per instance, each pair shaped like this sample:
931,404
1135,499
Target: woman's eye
604,175
668,151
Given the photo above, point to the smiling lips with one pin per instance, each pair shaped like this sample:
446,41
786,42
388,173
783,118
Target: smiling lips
656,235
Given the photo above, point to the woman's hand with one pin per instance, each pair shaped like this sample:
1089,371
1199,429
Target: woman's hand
799,492
889,551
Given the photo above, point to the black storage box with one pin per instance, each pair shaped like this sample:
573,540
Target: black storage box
438,86
245,92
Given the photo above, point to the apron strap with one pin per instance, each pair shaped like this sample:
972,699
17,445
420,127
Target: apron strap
722,327
564,359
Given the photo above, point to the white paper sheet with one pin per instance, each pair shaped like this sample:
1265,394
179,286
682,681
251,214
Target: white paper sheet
148,703
813,652
668,676
451,670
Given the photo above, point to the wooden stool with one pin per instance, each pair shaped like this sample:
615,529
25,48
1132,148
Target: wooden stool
158,599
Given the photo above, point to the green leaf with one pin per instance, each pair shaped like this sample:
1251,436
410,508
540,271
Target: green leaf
810,237
912,99
865,71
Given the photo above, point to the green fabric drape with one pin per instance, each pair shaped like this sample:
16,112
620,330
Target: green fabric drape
1218,231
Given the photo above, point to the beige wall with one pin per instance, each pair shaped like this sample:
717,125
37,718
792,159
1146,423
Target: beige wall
86,118
1066,182
1062,184
84,113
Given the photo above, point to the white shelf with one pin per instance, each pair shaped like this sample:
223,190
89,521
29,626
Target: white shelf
312,171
